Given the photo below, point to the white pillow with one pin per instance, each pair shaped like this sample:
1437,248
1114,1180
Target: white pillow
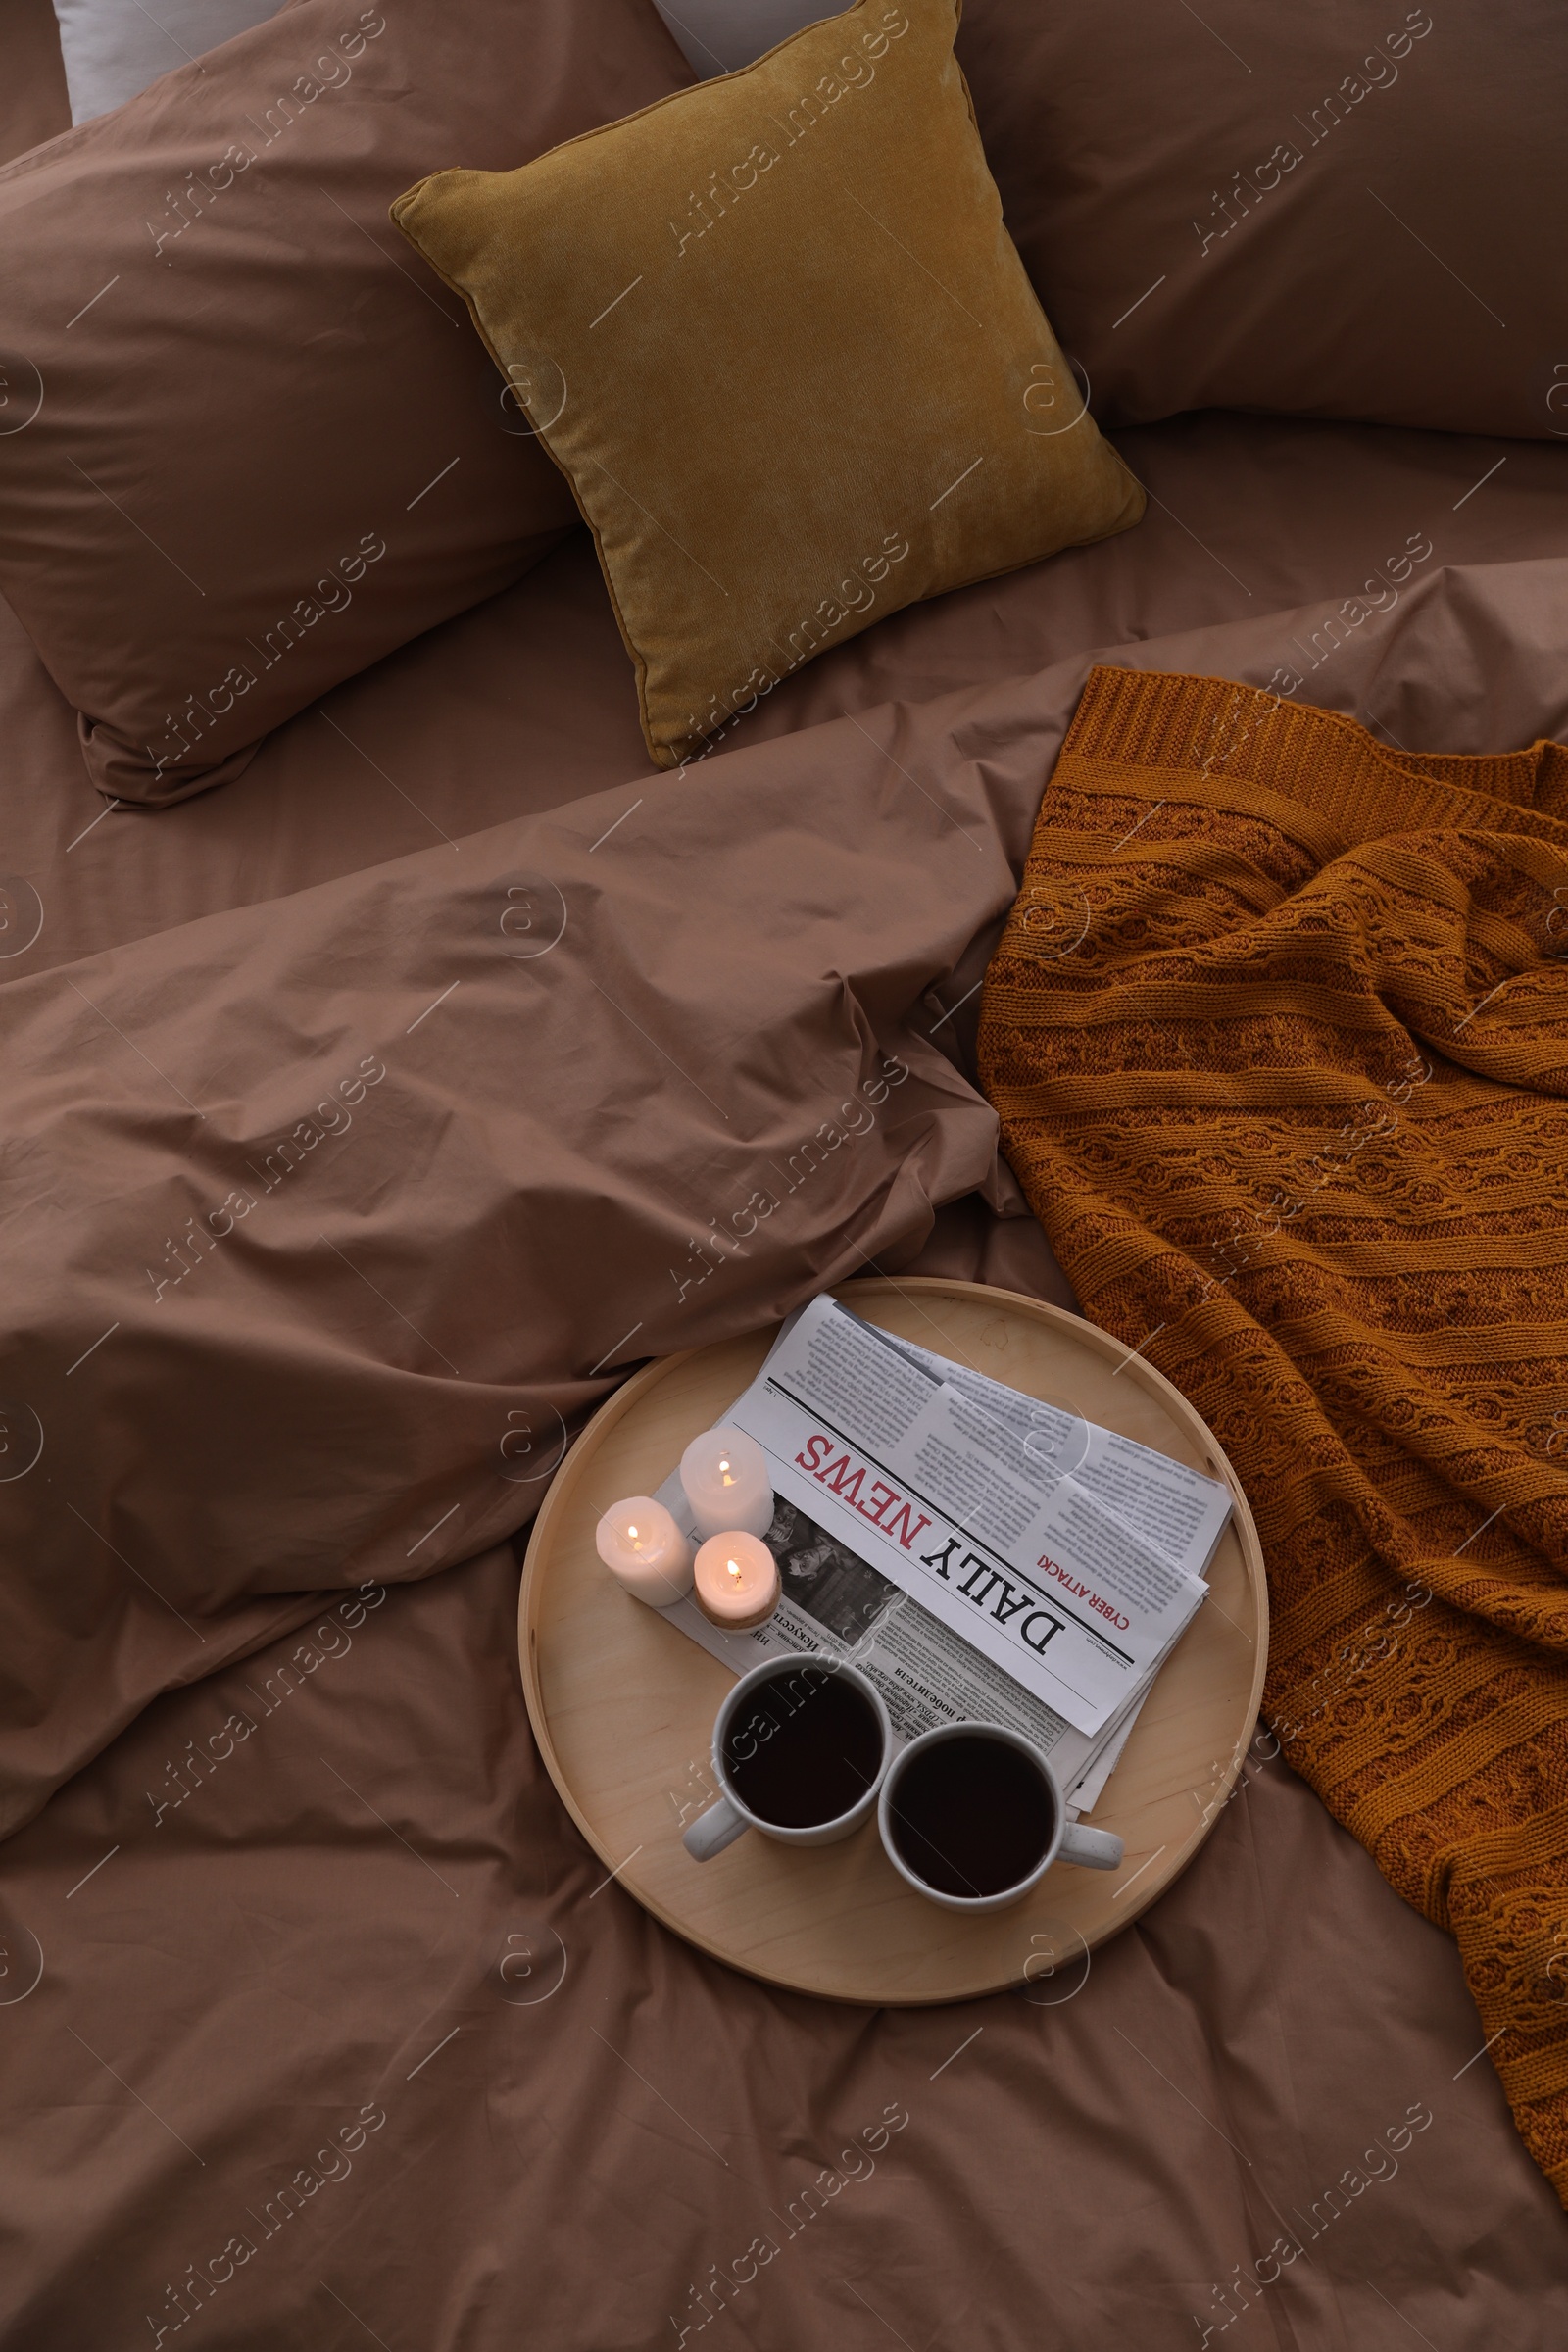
718,35
113,48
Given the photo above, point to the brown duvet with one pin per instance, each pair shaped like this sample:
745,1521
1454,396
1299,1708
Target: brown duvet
319,2024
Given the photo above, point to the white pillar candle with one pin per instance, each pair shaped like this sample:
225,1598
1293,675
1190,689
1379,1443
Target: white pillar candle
736,1581
724,1474
641,1546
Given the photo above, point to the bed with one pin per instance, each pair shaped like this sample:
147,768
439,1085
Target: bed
261,1916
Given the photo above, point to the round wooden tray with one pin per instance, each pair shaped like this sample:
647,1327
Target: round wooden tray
622,1704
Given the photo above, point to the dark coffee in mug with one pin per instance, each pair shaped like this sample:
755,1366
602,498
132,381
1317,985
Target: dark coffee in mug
972,1815
804,1748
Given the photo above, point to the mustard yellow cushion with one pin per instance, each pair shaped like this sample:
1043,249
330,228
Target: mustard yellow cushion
775,335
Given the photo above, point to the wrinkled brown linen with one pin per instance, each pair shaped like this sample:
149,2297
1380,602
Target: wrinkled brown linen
1257,531
272,1958
357,1186
1323,210
265,446
619,1087
341,1184
375,1901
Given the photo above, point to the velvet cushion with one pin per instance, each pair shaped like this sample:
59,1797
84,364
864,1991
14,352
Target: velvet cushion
1336,208
776,336
247,443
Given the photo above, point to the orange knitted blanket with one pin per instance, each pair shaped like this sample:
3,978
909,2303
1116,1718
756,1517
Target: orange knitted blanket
1278,1033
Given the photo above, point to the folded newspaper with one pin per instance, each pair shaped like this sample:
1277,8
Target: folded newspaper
978,1553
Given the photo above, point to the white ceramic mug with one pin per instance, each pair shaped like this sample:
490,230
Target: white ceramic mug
1070,1841
723,1823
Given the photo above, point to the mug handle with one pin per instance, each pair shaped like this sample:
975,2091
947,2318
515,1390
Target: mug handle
720,1825
1094,1849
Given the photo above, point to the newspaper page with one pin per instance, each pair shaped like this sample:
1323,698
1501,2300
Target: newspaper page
1179,1510
852,1589
947,1502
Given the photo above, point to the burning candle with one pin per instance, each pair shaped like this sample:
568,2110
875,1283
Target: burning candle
724,1474
737,1580
641,1546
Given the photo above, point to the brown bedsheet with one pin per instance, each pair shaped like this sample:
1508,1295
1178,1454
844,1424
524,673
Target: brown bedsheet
331,1927
374,1905
1259,530
293,1903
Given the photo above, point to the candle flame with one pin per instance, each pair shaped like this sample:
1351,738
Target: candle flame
632,1532
724,1471
734,1568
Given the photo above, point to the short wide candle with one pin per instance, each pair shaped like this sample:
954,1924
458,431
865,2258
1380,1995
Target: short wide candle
641,1546
737,1580
724,1474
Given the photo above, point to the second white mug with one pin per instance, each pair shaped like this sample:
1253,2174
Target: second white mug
973,1816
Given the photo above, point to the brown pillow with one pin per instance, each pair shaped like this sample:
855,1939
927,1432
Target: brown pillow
247,444
774,333
1321,211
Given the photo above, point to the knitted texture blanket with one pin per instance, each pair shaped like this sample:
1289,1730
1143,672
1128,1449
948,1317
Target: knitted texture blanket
1278,1035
